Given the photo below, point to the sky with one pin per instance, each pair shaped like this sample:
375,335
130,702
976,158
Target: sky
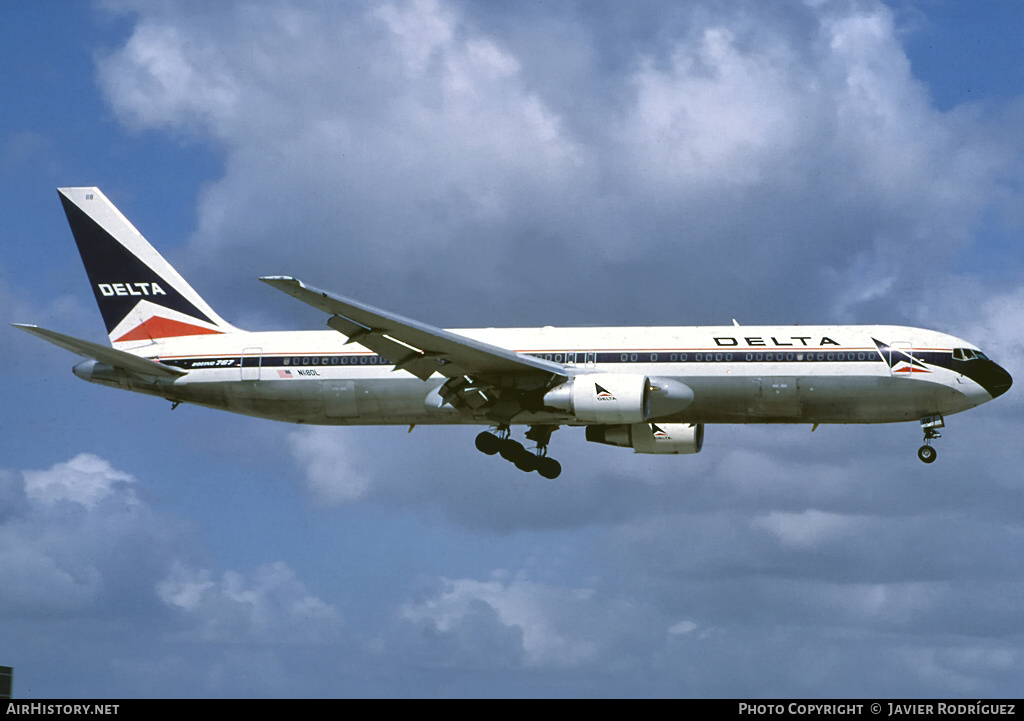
479,164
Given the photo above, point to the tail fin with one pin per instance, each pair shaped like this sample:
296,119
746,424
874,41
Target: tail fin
141,297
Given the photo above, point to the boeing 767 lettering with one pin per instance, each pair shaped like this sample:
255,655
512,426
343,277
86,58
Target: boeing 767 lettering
652,389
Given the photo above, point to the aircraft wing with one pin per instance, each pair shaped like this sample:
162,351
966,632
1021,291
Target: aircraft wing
104,354
412,346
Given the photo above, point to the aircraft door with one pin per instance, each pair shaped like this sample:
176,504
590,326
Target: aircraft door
251,362
339,399
900,357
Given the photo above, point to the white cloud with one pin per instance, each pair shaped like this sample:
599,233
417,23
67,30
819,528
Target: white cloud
717,114
397,109
85,479
808,528
271,607
682,628
334,469
169,87
412,147
67,531
546,617
76,538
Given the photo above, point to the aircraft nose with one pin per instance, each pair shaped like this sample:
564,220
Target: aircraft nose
994,379
989,375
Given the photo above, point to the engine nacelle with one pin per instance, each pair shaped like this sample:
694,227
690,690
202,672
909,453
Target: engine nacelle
651,437
619,397
603,398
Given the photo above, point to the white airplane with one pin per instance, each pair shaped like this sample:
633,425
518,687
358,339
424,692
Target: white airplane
649,389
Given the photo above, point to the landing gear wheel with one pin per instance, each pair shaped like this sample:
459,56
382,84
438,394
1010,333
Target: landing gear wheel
510,450
549,468
488,443
927,454
526,461
498,441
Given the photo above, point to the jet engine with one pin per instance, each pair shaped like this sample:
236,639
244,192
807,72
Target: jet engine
651,437
618,397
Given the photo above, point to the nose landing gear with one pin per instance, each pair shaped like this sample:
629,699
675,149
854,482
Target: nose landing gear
926,453
500,442
930,426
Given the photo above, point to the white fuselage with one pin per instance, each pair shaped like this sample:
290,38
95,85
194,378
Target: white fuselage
738,374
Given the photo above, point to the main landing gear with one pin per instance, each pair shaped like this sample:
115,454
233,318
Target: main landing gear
500,442
930,425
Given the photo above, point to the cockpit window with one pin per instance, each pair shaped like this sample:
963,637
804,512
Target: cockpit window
968,354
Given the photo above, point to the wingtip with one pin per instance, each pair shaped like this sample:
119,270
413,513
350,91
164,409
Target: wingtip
69,190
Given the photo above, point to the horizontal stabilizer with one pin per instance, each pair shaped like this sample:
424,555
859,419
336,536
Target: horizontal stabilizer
104,354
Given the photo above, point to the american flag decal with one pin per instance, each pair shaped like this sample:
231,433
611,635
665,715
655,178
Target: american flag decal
284,374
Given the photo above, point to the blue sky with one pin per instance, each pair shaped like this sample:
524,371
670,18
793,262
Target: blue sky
575,163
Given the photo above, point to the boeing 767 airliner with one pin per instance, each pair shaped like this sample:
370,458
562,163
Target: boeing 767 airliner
651,389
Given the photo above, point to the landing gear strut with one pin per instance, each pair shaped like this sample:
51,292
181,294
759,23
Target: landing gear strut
930,425
500,442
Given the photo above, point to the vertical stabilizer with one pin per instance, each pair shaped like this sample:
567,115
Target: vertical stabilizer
141,297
